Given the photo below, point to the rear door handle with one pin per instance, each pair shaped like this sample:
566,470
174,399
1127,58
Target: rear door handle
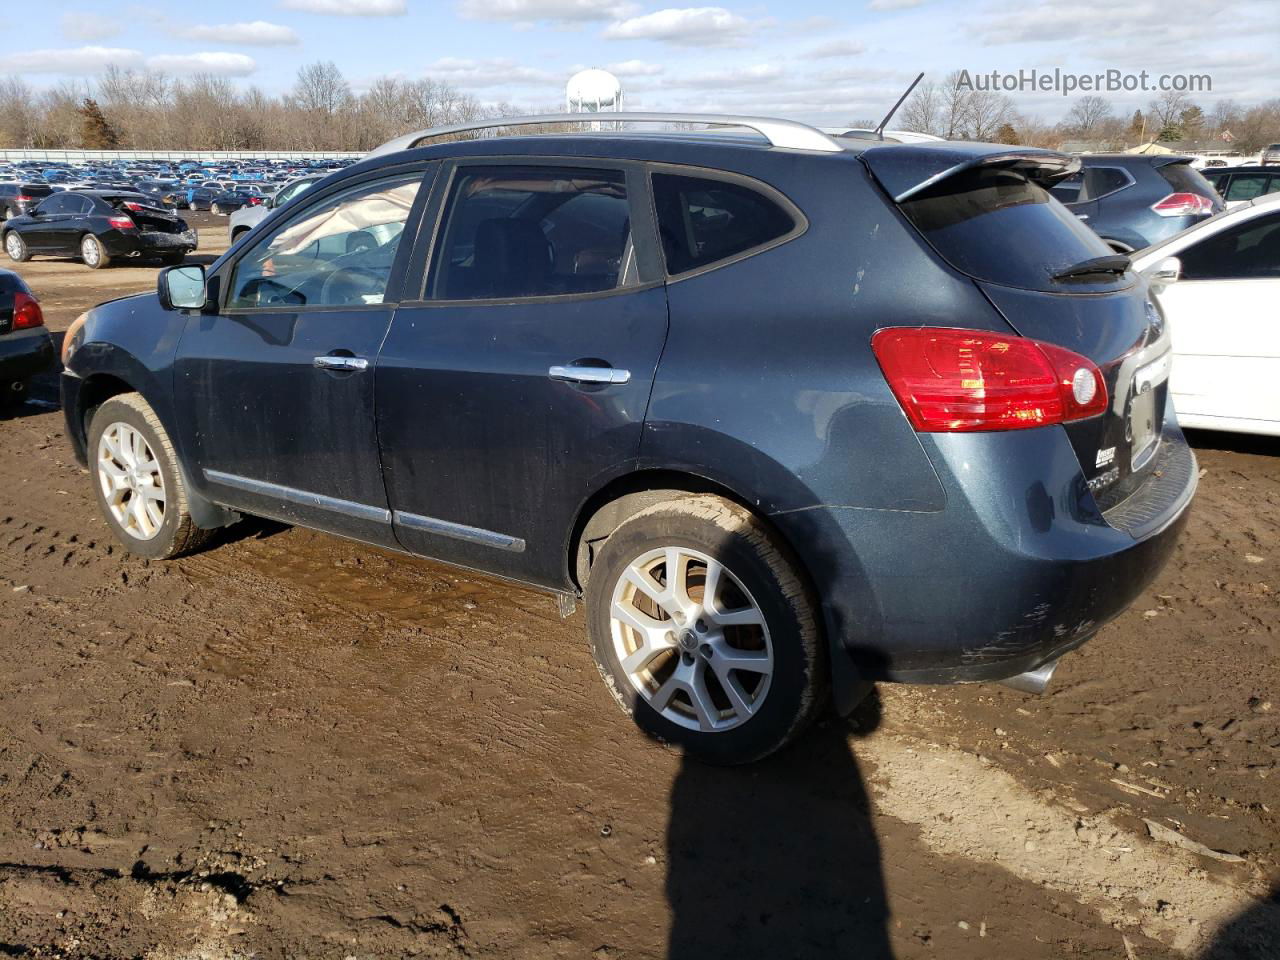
574,373
331,362
1082,216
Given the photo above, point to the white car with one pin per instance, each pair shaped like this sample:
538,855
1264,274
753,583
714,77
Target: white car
1219,286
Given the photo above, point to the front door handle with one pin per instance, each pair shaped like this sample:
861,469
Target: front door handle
350,364
576,373
1082,216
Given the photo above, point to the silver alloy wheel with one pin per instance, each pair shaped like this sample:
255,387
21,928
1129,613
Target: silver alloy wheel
691,639
131,480
13,246
90,252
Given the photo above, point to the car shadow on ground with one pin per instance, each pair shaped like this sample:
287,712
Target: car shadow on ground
1251,443
779,858
1254,935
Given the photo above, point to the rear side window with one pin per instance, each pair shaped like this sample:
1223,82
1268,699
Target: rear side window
997,226
1246,186
516,232
1183,179
1104,180
704,221
1249,251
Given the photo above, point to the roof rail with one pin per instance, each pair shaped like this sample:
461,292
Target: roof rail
780,133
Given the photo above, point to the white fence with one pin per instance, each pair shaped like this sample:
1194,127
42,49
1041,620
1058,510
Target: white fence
103,156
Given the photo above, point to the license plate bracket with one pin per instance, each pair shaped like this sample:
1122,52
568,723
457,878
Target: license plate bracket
1143,429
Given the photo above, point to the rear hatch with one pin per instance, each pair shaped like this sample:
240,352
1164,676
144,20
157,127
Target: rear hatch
34,191
991,216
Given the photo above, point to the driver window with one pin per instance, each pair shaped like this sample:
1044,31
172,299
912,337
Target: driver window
337,253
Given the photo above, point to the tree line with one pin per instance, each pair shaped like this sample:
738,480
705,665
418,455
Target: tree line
956,111
146,110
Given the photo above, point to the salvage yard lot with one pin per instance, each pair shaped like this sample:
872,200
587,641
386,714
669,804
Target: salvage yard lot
291,745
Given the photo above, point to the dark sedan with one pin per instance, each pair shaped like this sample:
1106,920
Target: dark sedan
99,226
236,199
25,345
19,198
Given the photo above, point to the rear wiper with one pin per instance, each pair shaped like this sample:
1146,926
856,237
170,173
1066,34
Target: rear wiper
1112,263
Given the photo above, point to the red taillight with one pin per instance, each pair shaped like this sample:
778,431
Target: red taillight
951,380
26,312
121,222
1183,204
130,205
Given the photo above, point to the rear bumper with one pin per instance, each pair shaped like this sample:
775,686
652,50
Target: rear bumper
148,243
25,353
1017,569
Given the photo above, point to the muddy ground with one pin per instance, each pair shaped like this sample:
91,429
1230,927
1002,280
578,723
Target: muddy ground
293,746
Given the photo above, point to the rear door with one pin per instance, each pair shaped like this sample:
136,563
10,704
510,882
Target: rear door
65,232
518,381
1226,334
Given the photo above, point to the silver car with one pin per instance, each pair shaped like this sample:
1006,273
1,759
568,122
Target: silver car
246,218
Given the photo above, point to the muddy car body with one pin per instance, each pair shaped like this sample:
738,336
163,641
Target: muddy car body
694,395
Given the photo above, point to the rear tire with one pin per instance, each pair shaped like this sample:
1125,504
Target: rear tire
16,247
136,480
730,677
93,253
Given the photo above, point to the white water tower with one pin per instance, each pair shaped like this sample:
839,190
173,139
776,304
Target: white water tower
593,91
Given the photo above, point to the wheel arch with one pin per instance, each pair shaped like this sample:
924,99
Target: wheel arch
626,495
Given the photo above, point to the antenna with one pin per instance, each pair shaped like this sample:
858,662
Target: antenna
889,116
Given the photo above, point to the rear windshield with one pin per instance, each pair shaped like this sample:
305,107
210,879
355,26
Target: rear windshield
1184,179
996,225
36,190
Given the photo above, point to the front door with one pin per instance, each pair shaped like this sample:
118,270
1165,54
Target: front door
1226,336
519,382
275,390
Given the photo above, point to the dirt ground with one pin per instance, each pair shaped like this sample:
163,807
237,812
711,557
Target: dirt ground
294,746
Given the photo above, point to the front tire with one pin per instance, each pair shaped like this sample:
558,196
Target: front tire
705,631
16,247
93,253
136,480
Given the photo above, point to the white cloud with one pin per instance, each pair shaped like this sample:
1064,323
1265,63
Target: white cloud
835,48
684,26
635,68
88,27
81,60
736,78
556,11
223,64
489,72
258,33
893,4
349,8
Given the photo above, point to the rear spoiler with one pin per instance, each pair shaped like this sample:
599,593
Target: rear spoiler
905,170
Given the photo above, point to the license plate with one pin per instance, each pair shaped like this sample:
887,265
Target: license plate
1142,425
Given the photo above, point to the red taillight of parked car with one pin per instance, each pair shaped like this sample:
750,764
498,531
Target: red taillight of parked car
121,222
1183,204
951,381
26,312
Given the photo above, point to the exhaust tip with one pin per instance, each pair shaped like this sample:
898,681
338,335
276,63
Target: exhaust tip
1033,681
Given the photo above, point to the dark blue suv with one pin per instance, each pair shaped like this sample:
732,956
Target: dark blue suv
1135,200
791,414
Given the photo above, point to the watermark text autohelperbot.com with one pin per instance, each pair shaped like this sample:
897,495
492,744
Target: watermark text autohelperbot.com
1062,82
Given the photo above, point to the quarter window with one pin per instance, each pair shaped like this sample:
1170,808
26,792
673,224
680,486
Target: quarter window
1249,251
703,221
517,232
336,253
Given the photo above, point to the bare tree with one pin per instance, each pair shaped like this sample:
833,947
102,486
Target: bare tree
1087,117
1164,111
922,113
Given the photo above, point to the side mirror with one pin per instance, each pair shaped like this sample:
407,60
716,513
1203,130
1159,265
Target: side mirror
1165,271
182,288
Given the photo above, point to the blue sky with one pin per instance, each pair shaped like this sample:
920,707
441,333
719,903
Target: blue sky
818,60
